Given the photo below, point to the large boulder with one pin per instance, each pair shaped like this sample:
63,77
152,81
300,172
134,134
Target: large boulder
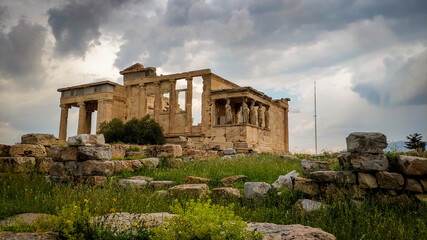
256,189
413,185
86,140
367,162
366,142
17,164
412,165
150,163
388,180
367,180
190,190
233,179
323,176
63,153
286,180
289,232
306,186
39,139
309,166
307,205
94,153
27,150
226,192
193,179
133,183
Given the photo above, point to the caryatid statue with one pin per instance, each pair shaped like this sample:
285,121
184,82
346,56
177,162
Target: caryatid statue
260,115
252,116
267,116
228,114
245,110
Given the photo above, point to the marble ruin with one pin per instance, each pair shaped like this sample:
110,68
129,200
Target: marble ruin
231,116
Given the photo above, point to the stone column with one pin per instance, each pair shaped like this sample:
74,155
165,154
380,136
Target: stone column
286,143
267,117
172,105
63,122
157,102
82,118
245,111
228,114
142,101
208,106
188,105
260,115
88,121
105,112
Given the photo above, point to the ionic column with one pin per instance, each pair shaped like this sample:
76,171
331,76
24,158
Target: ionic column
63,122
157,102
82,118
142,101
188,105
172,105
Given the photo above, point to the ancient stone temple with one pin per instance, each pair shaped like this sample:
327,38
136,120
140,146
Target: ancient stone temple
231,116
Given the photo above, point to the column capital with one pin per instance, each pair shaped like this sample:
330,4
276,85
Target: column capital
156,83
142,85
172,80
189,78
65,106
81,104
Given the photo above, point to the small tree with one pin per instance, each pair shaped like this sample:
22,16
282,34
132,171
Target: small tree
414,142
135,131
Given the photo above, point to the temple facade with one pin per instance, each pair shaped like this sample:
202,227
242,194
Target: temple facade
231,116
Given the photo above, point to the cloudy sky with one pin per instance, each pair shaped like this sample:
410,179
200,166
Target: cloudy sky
369,58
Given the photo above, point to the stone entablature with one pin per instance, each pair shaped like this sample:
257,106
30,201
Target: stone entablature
231,115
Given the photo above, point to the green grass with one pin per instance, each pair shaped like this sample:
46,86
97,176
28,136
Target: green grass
373,220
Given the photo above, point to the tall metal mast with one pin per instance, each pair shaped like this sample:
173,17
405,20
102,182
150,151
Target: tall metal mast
315,118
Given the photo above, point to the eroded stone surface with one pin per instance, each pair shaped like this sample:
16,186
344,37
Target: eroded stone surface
193,179
233,179
192,190
412,165
306,186
256,189
26,218
63,153
367,180
226,192
367,162
25,236
39,139
344,160
307,205
94,153
135,183
289,232
27,150
309,166
286,180
388,180
150,163
413,185
148,179
17,164
366,142
86,139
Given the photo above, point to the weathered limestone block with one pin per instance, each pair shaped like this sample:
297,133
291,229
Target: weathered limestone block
367,180
90,168
135,154
25,236
174,162
118,153
171,150
286,180
136,164
192,179
148,179
27,150
226,192
17,164
156,185
123,221
150,163
344,160
307,205
366,142
412,165
366,162
43,164
233,179
229,151
57,169
86,140
135,183
323,176
388,180
96,180
94,153
4,150
345,177
256,189
413,185
39,139
309,166
306,186
63,153
122,165
289,232
191,190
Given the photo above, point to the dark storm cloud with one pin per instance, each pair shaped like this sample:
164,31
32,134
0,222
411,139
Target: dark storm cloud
3,13
21,53
76,26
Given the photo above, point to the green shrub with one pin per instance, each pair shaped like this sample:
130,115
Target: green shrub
135,131
201,220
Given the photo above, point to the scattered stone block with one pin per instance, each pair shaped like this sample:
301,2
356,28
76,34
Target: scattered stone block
123,165
171,150
233,179
307,205
191,190
136,164
174,162
123,221
94,153
39,139
43,164
344,160
27,150
118,153
367,162
17,164
323,176
135,183
286,180
150,163
226,192
148,179
413,185
388,180
156,185
412,165
86,140
256,189
192,179
366,142
135,154
96,181
229,151
306,186
367,180
63,153
309,166
289,232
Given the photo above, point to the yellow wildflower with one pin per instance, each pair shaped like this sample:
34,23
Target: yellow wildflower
145,224
75,206
135,224
112,210
68,221
85,200
114,200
